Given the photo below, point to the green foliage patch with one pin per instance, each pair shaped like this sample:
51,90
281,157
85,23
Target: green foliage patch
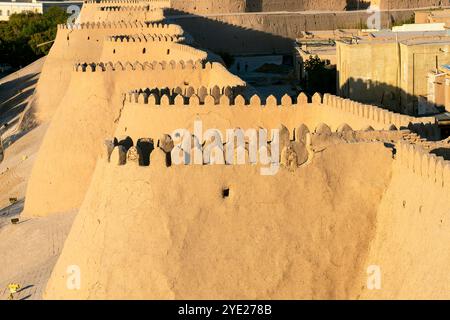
21,37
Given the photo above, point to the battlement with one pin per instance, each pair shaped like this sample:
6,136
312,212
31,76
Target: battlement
163,152
112,1
155,65
136,8
172,29
293,149
231,108
166,50
186,93
146,38
424,164
167,2
203,97
372,112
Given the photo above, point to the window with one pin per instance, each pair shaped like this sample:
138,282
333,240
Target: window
8,13
1,12
225,192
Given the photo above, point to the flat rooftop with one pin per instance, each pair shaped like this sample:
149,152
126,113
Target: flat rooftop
404,37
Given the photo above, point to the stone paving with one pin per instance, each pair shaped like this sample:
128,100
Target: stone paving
29,250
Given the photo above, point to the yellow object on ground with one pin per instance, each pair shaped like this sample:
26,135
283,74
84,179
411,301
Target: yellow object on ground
13,287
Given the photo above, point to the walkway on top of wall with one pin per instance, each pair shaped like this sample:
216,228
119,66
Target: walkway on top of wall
190,15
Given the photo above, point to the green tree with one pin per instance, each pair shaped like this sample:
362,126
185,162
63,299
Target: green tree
320,76
21,36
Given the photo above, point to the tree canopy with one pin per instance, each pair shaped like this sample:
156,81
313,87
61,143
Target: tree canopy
321,76
21,35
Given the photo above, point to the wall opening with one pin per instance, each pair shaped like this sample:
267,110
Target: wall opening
225,192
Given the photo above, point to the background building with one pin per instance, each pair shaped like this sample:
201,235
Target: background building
391,69
7,8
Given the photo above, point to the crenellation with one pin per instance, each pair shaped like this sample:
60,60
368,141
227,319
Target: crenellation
118,156
317,98
151,65
422,163
131,74
446,174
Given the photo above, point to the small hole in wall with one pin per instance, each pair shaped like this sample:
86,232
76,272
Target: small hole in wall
89,38
225,192
404,204
143,50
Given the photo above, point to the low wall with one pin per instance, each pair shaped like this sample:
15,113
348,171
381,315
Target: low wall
411,247
271,33
226,6
171,113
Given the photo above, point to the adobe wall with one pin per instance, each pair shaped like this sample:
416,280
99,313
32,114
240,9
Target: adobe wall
387,212
412,240
219,113
94,10
373,79
395,76
87,115
80,42
208,6
193,227
164,74
121,13
115,49
271,33
227,6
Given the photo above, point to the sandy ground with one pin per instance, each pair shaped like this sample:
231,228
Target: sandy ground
20,147
16,92
28,250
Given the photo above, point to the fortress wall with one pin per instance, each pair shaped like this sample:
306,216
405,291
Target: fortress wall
110,11
227,6
70,47
122,14
208,6
273,33
295,5
169,115
165,74
66,158
116,26
149,51
412,243
405,4
179,229
87,115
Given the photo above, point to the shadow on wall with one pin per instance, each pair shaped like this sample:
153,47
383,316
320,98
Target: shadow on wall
223,37
442,152
14,96
387,96
269,33
254,6
357,5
